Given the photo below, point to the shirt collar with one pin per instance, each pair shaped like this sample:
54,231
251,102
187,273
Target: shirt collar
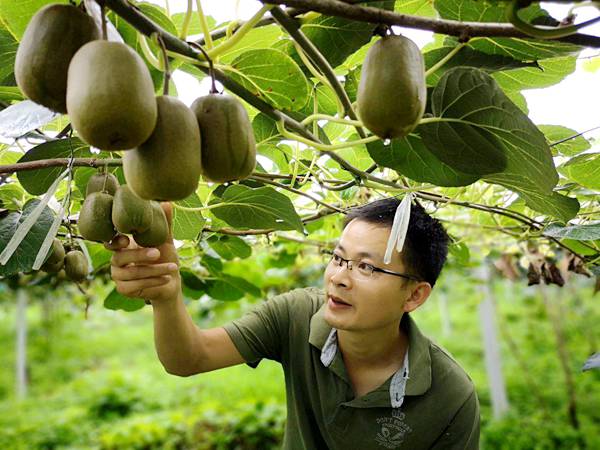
419,359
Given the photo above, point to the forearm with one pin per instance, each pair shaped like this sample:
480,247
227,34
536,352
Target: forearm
176,337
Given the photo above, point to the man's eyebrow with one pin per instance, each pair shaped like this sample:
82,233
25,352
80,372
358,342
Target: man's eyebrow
360,254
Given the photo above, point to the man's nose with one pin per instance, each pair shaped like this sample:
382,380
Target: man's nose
341,275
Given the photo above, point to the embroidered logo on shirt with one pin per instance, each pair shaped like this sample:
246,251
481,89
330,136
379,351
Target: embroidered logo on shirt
393,430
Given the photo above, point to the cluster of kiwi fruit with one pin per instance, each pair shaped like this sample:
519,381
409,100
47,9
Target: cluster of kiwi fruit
109,208
73,262
105,87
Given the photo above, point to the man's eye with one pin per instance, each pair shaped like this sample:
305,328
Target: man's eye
365,267
336,258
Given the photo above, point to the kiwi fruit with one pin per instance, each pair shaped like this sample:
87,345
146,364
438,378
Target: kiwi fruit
159,230
57,252
53,35
228,145
167,166
95,217
53,267
110,96
130,213
76,265
102,182
392,90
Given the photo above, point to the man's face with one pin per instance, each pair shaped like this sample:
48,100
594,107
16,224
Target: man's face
374,302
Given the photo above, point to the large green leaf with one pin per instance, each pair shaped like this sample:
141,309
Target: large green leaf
231,288
37,182
553,204
188,224
194,26
24,256
590,232
517,48
410,157
272,75
243,207
258,38
468,57
10,94
423,8
15,15
482,115
583,169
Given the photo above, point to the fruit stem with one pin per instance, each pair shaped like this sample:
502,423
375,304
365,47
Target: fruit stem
153,60
186,20
445,59
239,34
167,70
315,117
204,24
103,16
322,147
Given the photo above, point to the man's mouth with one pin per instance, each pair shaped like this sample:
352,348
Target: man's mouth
338,301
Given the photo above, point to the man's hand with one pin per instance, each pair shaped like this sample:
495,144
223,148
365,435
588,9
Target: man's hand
148,273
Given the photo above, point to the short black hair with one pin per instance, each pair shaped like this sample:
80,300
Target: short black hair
426,245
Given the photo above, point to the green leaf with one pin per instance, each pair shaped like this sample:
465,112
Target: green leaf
231,288
265,129
589,232
230,247
157,15
272,75
423,8
193,286
410,157
24,256
517,48
15,15
213,265
583,169
37,182
557,133
460,253
11,196
554,204
337,38
10,94
257,38
549,72
188,224
243,207
467,57
99,255
8,51
277,154
116,301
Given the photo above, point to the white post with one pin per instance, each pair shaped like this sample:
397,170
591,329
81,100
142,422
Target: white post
493,362
21,356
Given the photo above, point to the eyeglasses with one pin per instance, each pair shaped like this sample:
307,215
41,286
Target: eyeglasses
364,269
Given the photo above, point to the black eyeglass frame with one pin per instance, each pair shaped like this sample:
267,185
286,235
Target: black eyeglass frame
375,268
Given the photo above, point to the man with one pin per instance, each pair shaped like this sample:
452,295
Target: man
358,373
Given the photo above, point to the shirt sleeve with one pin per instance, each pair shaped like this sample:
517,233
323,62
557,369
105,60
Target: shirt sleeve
262,333
463,432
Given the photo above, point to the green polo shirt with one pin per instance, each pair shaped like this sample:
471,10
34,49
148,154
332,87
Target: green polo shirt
428,404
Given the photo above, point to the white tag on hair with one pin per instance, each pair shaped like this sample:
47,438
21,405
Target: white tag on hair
399,228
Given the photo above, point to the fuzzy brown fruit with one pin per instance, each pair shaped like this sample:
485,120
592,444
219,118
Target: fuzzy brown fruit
392,91
228,145
76,265
51,38
110,96
95,217
130,214
102,182
159,230
168,165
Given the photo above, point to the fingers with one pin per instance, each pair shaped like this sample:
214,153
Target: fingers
138,255
137,272
119,242
141,288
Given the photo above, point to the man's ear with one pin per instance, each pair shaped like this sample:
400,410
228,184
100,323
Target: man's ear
419,294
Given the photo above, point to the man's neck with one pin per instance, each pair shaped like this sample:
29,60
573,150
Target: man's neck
374,348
